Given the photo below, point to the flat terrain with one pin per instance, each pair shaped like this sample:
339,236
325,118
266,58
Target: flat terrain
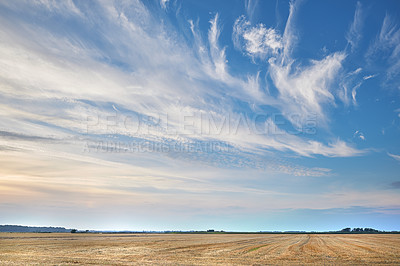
23,248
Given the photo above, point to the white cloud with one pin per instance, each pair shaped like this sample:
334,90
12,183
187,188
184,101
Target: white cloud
239,27
386,47
369,77
348,81
164,3
389,35
52,84
217,54
343,94
394,156
354,93
258,41
289,35
65,8
353,36
359,134
303,91
355,72
250,6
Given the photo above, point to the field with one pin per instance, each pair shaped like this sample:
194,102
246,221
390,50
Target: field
203,249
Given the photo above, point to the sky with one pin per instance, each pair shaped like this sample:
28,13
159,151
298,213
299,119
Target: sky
191,115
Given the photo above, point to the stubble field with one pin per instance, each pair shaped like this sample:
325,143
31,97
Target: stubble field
198,249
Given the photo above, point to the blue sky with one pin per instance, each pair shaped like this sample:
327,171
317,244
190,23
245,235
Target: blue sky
180,115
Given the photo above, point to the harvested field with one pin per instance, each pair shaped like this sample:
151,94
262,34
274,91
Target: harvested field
203,249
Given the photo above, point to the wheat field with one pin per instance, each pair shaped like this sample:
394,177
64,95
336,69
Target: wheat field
198,249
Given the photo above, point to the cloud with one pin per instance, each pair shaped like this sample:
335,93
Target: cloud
250,7
394,156
261,39
258,41
164,3
355,72
359,134
304,90
369,77
290,37
84,92
217,55
239,27
350,79
386,47
51,7
353,36
343,94
18,136
354,93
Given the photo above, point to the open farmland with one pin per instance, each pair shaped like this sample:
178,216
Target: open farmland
65,248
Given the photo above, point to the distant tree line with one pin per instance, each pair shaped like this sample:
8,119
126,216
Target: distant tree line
32,229
359,230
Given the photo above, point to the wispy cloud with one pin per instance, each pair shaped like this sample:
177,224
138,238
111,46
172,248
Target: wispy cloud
359,134
354,35
386,47
349,84
369,77
57,86
354,93
394,156
217,54
164,3
304,90
250,7
290,37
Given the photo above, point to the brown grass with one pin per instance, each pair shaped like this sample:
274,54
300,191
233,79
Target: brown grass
28,248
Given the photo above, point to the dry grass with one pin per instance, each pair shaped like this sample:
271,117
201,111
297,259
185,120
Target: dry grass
27,248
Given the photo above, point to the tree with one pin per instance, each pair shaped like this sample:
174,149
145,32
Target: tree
74,231
370,230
